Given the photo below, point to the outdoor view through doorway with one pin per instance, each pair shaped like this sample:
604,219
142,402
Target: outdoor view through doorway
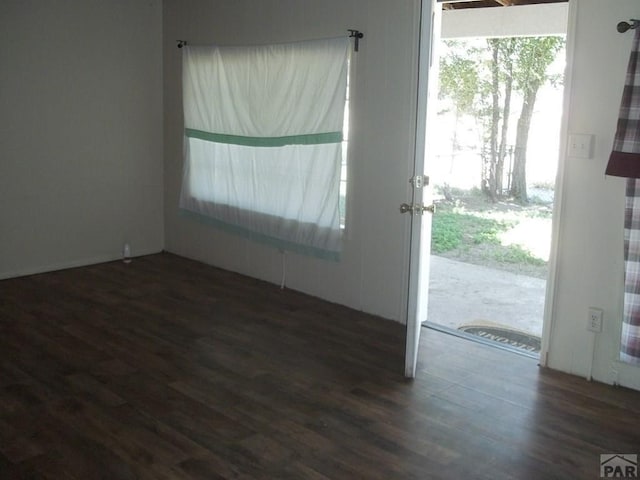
493,175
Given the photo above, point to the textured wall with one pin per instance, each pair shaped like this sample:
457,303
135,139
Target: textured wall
81,137
372,274
590,231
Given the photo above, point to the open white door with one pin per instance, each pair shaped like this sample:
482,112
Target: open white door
421,208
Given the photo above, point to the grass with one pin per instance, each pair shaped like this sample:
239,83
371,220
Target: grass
470,230
517,254
451,230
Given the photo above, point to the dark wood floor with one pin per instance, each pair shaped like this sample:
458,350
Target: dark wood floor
169,369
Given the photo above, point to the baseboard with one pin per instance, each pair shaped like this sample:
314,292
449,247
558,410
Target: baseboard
72,264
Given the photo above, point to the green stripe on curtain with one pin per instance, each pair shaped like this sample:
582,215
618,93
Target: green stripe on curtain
262,238
309,139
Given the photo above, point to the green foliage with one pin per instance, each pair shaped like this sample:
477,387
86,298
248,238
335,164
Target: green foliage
446,232
452,229
534,55
517,254
459,76
478,80
465,67
458,230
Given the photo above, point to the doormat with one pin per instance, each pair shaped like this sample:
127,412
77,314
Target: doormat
504,335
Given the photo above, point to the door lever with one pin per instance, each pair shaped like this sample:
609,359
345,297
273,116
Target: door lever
418,209
406,208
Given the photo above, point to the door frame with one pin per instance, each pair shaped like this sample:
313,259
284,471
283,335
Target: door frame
548,318
429,28
419,250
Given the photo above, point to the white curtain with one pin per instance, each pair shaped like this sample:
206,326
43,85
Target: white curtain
263,138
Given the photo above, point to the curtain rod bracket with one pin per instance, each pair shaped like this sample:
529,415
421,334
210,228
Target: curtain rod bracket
181,43
624,26
357,34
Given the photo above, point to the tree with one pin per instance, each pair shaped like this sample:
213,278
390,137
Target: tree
507,51
459,80
502,60
481,81
490,185
534,55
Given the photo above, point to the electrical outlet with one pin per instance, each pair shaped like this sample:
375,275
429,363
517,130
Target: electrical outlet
594,320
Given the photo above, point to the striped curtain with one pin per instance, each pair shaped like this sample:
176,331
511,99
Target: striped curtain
630,345
625,162
263,141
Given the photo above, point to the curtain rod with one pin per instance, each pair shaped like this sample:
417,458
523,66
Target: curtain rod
357,34
624,26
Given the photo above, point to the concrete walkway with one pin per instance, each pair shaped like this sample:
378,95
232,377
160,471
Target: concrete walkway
461,293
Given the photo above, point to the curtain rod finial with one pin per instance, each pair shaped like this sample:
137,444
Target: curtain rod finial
624,26
181,43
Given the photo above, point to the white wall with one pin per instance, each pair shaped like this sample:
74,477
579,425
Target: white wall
372,274
81,137
590,234
526,20
81,143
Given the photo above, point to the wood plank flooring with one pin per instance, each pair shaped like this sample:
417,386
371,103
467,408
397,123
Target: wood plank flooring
169,369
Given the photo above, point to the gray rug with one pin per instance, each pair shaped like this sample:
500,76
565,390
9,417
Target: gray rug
505,336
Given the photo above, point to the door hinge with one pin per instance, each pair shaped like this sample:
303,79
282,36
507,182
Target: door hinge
419,181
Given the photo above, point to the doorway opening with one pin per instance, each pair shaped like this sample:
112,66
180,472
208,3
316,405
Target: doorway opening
493,171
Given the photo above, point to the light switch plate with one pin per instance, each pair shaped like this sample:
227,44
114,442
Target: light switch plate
580,145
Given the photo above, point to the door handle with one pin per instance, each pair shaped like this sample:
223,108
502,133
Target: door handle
418,209
406,208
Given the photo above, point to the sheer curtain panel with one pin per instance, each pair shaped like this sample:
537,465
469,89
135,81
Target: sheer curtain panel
263,141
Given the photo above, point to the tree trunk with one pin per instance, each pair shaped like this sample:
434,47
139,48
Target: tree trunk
495,120
508,49
519,175
502,152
